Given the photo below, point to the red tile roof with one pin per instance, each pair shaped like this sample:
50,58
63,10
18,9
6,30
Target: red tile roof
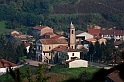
5,63
54,41
112,32
39,27
105,32
94,31
26,44
62,48
57,36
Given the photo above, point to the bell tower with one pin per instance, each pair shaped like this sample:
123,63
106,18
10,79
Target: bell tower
72,39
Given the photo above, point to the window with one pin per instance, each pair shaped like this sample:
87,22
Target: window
38,47
72,31
72,54
49,54
72,47
49,48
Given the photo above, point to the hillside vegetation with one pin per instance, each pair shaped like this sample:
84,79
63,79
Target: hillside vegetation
59,13
91,6
55,75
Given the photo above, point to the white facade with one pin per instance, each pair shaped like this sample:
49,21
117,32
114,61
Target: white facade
4,70
27,48
87,35
116,37
73,54
78,63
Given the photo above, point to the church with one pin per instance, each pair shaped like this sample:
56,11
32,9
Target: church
51,42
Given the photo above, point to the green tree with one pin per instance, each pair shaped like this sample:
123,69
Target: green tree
40,76
97,52
64,56
56,58
28,74
104,52
31,53
91,50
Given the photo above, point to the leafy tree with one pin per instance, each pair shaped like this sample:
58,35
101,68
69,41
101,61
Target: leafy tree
97,51
31,53
91,50
56,58
104,52
64,56
28,74
41,70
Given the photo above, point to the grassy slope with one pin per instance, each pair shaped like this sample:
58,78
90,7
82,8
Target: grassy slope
74,72
56,74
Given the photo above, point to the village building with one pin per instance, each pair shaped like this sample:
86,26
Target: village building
41,31
81,38
4,66
72,53
107,34
19,36
46,48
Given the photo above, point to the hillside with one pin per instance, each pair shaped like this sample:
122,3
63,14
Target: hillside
91,6
59,13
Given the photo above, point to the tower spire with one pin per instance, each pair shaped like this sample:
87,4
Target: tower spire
71,25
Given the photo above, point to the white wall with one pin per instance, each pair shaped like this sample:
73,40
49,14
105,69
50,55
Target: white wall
27,49
78,63
4,70
76,54
87,35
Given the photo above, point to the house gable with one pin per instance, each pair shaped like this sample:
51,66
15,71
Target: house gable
85,34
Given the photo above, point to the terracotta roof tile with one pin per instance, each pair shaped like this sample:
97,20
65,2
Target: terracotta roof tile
105,32
57,36
94,31
26,44
54,41
112,32
39,27
62,48
5,63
